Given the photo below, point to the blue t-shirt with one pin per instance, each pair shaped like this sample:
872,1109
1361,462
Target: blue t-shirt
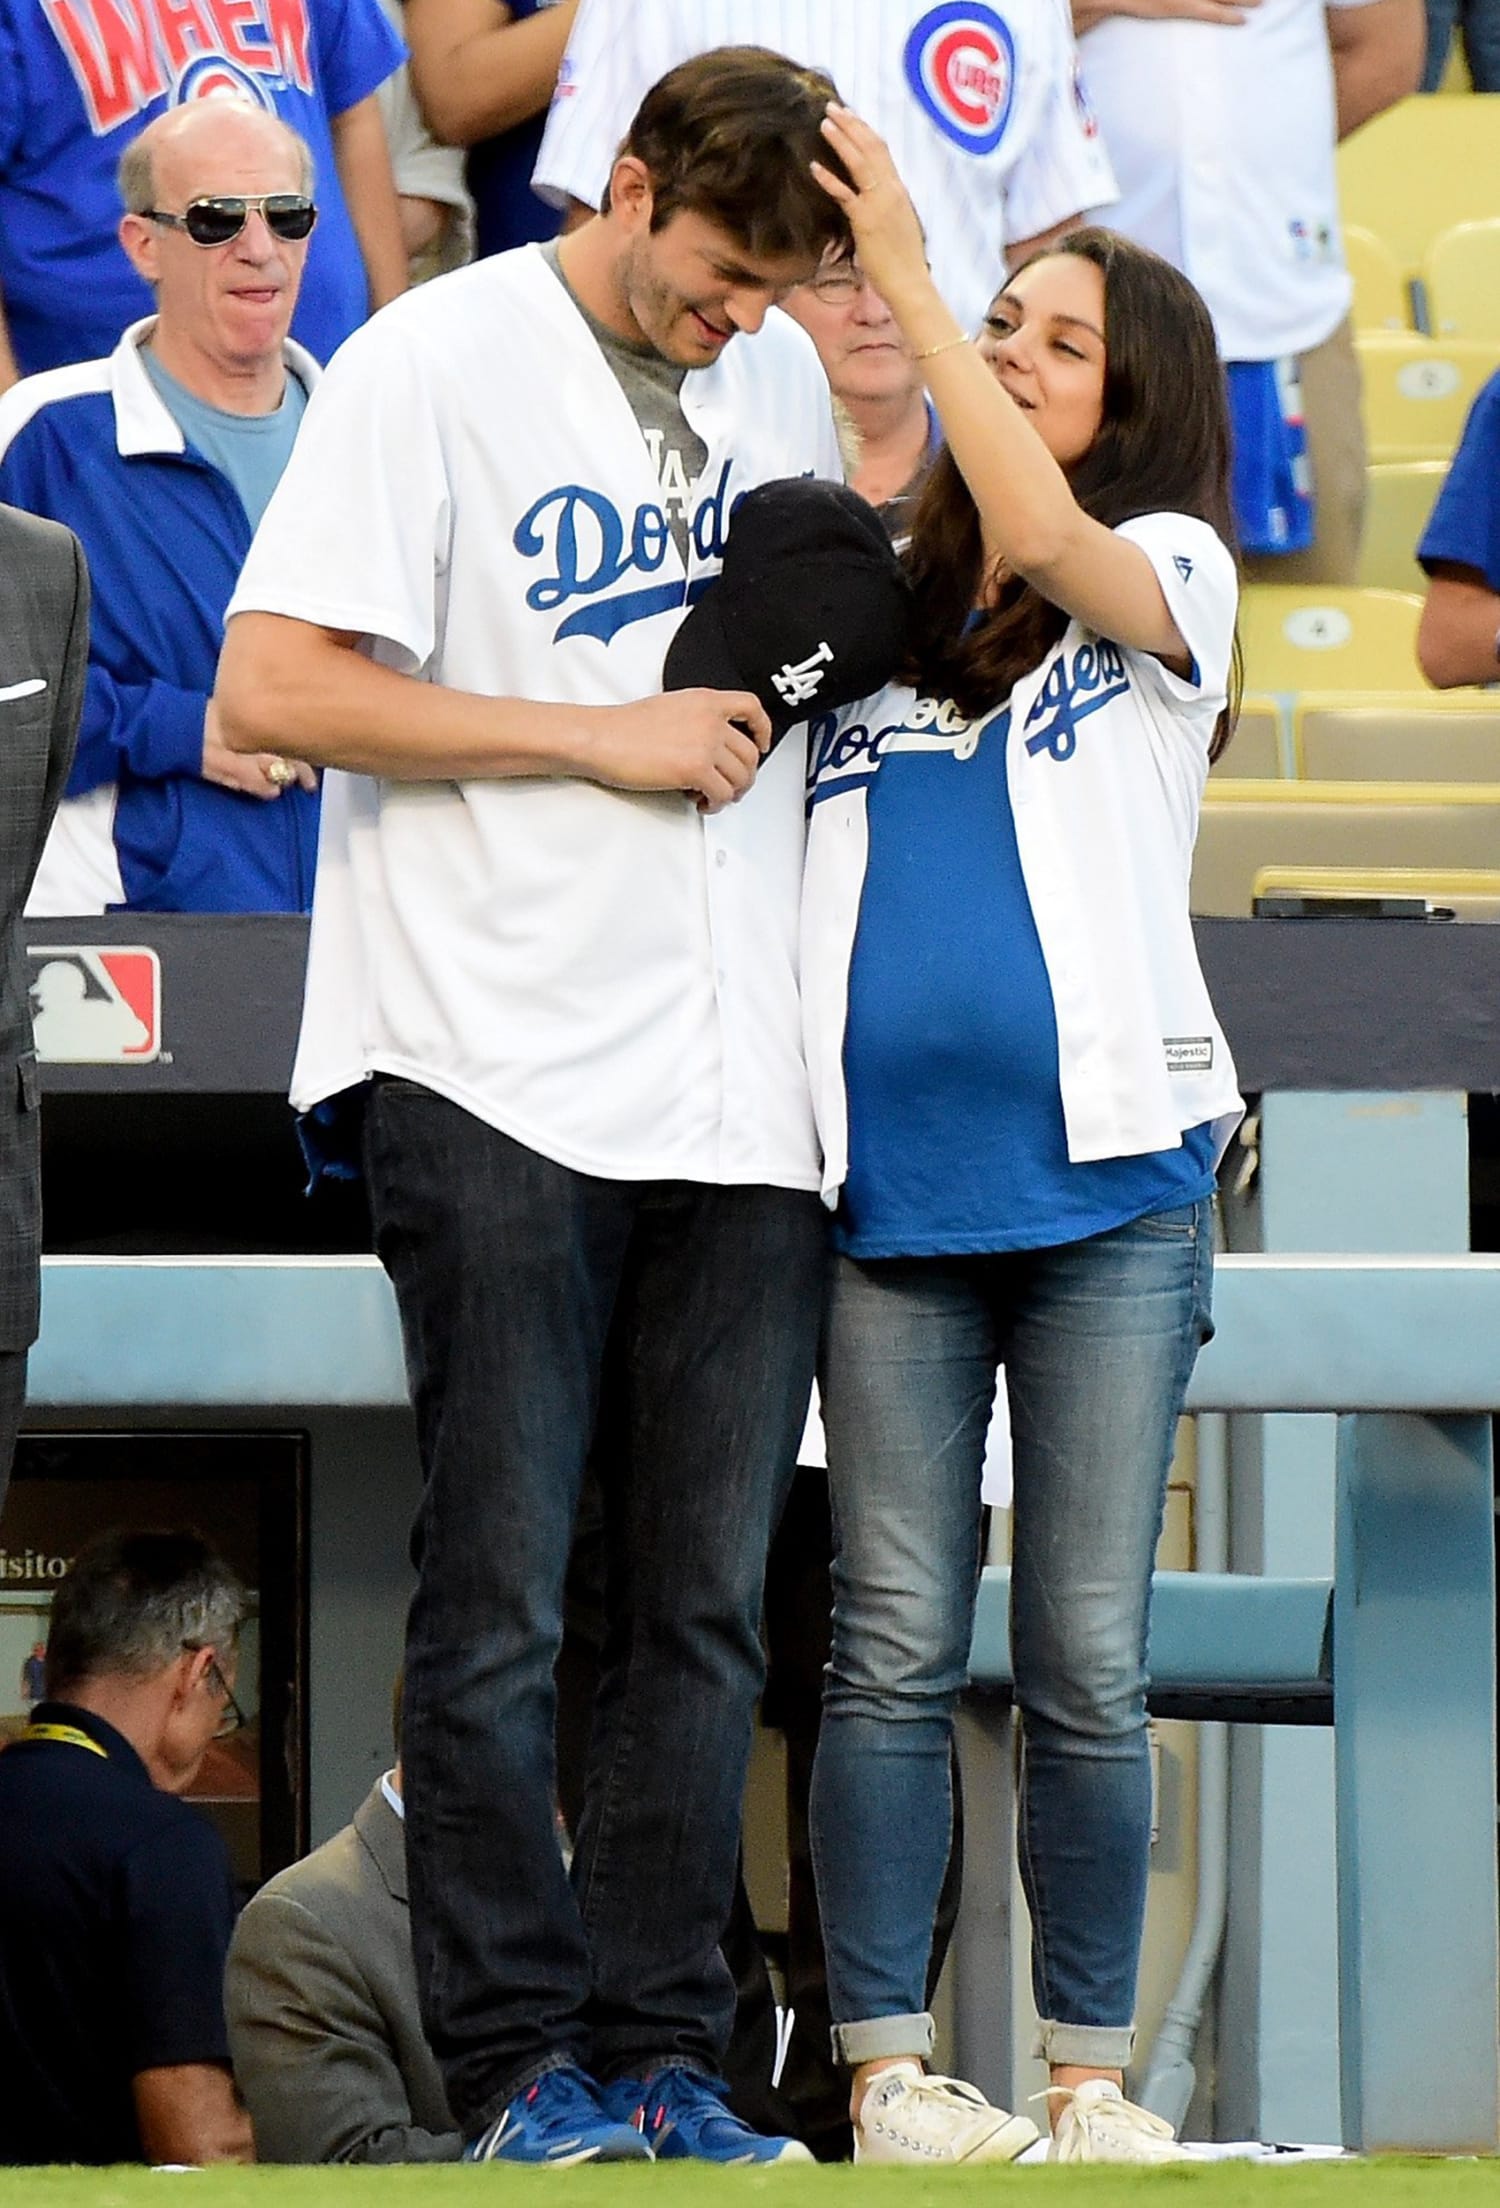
507,211
79,79
250,449
956,1136
1465,523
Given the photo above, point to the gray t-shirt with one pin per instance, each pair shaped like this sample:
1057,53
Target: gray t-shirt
251,449
653,391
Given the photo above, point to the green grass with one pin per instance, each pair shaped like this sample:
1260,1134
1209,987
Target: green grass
1382,2184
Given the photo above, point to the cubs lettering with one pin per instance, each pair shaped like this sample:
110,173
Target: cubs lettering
127,54
590,547
1076,685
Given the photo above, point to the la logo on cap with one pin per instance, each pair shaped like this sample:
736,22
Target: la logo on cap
810,608
799,685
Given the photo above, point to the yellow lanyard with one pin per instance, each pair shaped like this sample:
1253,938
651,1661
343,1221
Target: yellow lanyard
68,1734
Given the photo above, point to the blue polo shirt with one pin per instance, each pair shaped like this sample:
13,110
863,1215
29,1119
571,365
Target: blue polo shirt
1464,527
116,1909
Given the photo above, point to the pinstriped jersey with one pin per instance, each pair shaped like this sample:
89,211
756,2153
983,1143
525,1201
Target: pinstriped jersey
981,105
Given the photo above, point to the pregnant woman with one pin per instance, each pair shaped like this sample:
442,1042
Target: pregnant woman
1023,1095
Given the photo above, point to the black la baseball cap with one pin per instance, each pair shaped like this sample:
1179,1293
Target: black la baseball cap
810,609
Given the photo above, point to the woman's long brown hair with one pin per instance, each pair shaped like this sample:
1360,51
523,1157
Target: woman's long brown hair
1162,447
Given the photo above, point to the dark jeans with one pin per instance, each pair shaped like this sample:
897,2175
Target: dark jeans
1479,23
812,2102
682,1320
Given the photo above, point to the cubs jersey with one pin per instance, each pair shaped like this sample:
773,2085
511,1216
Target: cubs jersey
980,102
607,976
80,78
1222,141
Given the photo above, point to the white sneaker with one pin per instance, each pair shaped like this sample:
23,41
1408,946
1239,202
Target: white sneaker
908,2115
1097,2124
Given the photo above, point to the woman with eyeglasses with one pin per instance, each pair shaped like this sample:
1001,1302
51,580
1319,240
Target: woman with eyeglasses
1023,1093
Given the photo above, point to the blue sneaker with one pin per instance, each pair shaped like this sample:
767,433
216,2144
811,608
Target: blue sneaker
684,2116
561,2119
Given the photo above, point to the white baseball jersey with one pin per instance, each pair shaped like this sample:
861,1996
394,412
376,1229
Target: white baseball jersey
980,104
606,976
1106,761
1222,139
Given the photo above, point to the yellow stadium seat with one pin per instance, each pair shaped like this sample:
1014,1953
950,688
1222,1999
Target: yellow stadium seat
1420,167
1247,826
1256,751
1432,736
1418,390
1381,299
1465,892
1399,496
1316,637
1462,274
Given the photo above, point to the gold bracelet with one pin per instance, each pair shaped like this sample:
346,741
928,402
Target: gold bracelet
947,346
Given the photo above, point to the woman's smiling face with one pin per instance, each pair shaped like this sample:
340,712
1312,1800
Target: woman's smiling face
1044,340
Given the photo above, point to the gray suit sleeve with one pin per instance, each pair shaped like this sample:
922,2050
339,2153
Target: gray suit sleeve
311,2054
65,719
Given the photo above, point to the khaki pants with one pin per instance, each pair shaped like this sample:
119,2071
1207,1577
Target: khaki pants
1333,411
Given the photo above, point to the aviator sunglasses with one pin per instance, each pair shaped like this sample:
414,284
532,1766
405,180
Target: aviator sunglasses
216,221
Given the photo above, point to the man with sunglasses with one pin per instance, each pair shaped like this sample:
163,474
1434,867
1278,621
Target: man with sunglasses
116,1906
162,457
80,80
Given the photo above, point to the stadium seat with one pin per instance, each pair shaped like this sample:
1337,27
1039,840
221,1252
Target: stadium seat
1462,275
1246,826
1317,637
1419,168
1468,893
1256,751
1381,298
1418,390
1434,736
1399,497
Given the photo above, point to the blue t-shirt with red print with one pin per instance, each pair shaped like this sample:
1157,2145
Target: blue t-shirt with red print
79,79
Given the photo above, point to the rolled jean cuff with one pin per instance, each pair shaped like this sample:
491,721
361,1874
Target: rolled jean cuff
881,2037
1105,2046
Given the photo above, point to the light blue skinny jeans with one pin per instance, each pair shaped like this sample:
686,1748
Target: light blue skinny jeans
1098,1340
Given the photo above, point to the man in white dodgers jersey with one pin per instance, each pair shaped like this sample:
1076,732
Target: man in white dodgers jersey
560,964
979,101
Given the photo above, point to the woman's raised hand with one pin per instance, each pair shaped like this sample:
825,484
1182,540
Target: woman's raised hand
887,234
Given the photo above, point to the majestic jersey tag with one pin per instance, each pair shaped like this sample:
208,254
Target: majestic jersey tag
1189,1053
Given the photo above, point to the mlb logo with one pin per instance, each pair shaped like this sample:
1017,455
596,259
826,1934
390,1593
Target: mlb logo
961,65
95,1005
